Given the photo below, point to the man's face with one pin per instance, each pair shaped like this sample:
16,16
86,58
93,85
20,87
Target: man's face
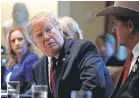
47,37
18,43
121,31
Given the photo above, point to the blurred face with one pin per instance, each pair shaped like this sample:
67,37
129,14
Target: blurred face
109,50
101,47
105,49
122,32
18,43
47,37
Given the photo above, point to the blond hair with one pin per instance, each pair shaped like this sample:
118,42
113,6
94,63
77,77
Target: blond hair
42,16
11,55
70,26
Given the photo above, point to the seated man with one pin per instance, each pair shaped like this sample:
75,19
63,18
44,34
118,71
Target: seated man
126,28
74,64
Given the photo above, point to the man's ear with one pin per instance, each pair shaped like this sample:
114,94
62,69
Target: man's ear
130,25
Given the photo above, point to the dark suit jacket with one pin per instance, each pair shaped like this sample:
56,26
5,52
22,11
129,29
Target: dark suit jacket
82,69
130,88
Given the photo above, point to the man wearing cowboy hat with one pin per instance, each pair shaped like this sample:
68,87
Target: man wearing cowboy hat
126,28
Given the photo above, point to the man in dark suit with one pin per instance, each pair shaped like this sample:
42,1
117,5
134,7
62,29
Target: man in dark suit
126,28
78,65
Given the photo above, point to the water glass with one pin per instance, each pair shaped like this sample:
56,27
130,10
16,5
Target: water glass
13,89
39,91
81,94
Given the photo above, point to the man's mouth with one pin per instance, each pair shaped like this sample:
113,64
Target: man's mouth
51,43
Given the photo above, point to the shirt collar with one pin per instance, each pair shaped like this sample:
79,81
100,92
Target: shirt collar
135,50
57,56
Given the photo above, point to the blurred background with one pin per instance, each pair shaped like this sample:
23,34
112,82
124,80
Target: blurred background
82,11
96,30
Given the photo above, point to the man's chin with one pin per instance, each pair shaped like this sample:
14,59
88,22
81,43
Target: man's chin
50,55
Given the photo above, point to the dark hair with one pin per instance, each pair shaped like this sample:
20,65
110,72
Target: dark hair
134,20
102,37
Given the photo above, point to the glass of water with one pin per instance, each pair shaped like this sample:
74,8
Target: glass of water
39,91
81,94
13,89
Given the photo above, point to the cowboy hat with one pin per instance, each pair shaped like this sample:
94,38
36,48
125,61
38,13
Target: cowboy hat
121,8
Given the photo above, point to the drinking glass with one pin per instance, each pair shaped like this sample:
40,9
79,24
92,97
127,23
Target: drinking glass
81,94
39,91
13,89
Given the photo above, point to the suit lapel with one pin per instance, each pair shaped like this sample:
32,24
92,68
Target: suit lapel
45,68
61,68
62,62
127,81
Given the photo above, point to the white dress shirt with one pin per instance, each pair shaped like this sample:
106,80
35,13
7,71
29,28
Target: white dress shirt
135,52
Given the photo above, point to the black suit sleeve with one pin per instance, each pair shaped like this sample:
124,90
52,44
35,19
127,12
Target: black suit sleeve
92,72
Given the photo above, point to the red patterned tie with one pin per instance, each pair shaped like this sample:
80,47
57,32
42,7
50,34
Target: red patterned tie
52,76
127,67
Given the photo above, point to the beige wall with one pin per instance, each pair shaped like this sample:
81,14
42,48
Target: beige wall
33,7
64,8
81,11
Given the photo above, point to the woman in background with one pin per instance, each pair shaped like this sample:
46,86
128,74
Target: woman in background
21,57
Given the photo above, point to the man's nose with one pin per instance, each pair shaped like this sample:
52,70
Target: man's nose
47,36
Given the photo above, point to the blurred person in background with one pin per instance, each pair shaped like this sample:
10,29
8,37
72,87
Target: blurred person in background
21,58
109,50
100,43
119,53
105,47
126,29
70,28
20,16
112,54
116,62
